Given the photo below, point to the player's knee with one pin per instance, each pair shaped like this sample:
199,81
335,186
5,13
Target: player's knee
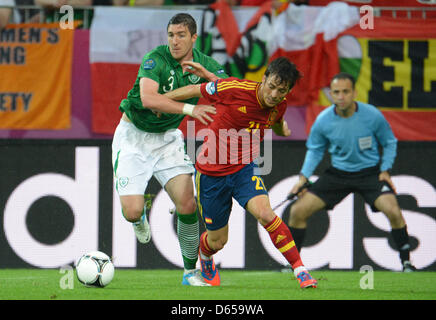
187,205
132,213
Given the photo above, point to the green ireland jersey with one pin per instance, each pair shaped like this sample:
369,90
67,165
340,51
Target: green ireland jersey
160,66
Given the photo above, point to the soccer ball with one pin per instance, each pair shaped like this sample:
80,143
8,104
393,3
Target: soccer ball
95,269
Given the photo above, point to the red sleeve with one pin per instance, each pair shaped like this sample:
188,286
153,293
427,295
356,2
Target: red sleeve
213,92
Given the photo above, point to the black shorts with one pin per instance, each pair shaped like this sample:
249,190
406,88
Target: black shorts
334,185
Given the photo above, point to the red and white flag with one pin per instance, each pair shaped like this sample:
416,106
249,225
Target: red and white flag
308,37
119,38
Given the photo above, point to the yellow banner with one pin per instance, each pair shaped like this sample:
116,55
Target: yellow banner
392,74
35,76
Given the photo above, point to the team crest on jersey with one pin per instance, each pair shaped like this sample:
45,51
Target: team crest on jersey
193,78
211,88
149,64
123,182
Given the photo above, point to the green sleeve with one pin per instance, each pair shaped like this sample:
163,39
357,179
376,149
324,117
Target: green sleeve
151,66
218,69
213,66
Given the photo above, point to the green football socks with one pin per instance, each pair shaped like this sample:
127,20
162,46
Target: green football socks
189,238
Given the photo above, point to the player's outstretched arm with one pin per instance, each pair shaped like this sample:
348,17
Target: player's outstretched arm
157,102
152,99
199,70
185,93
200,112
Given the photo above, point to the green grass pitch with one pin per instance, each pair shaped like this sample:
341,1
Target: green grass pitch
133,284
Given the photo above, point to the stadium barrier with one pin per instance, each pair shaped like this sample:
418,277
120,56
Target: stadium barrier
58,202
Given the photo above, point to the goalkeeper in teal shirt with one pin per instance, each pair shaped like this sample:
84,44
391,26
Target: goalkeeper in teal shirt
352,132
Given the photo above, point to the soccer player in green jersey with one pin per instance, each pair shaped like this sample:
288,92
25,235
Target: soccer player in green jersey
147,142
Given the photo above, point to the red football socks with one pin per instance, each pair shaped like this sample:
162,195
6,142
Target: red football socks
283,241
204,246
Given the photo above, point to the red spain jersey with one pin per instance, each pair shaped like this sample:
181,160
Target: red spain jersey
233,139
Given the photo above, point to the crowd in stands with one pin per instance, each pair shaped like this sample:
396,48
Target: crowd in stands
9,15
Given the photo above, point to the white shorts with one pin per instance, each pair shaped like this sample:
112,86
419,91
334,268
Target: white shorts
139,155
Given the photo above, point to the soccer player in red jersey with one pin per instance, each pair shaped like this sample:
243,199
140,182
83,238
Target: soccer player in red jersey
225,167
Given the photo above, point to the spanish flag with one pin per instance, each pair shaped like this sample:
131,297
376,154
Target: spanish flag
208,220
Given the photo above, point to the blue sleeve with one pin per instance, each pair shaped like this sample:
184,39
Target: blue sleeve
387,140
316,146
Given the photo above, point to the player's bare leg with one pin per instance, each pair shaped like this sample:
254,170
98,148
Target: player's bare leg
281,237
181,191
217,239
388,204
300,211
133,207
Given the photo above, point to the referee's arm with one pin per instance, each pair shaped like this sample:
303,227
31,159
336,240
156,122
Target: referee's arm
387,140
316,146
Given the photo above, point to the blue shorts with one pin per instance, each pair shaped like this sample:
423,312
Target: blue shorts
214,194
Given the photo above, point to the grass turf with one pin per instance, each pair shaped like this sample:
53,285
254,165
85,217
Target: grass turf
46,284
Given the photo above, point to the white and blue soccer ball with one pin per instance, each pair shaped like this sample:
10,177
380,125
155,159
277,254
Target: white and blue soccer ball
95,269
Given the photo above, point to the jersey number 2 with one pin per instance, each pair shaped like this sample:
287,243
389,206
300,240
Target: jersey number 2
259,183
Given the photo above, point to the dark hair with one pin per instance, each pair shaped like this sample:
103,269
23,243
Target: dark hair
186,20
284,70
344,76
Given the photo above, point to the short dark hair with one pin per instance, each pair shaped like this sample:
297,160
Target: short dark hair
344,76
285,70
186,20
